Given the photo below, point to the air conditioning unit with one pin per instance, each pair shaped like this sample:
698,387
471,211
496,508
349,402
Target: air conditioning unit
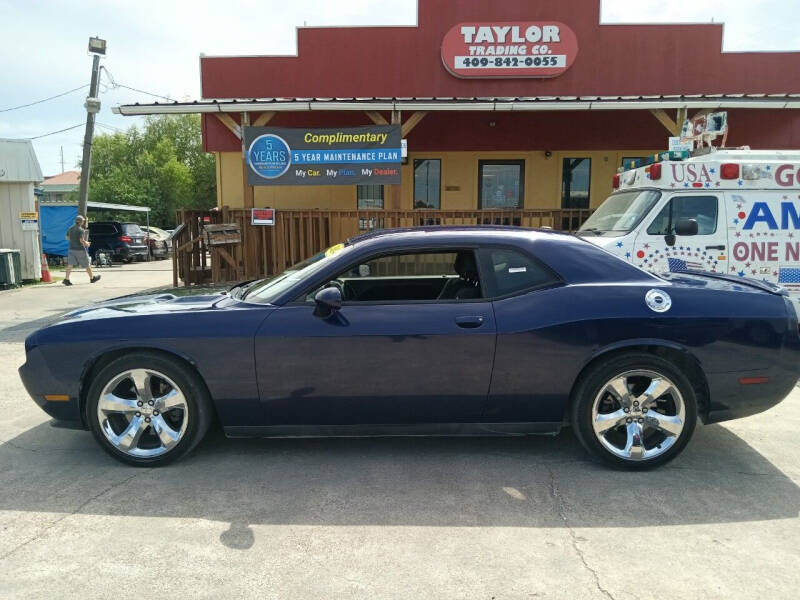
10,268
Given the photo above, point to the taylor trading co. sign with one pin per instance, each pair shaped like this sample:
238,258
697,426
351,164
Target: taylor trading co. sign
514,49
341,156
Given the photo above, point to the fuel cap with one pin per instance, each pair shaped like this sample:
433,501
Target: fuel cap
658,300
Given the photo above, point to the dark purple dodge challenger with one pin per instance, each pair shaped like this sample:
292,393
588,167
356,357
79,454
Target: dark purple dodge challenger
440,331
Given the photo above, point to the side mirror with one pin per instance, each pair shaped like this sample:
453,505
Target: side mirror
686,227
328,300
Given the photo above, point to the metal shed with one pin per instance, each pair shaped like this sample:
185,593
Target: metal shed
19,227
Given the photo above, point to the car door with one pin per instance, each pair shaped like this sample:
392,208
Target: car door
380,361
707,251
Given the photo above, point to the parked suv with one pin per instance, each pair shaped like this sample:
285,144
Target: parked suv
125,241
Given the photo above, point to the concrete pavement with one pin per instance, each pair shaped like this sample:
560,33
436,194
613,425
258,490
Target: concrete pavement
25,309
386,518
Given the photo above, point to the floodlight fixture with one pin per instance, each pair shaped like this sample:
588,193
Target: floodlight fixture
97,46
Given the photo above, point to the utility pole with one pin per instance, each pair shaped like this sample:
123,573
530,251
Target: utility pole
62,159
97,47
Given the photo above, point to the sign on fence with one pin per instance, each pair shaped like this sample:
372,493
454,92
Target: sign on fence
343,156
262,216
29,221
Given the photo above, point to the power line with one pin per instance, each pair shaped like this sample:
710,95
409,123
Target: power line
43,100
36,137
127,87
117,129
115,85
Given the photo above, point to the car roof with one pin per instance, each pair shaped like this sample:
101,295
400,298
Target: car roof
447,233
574,259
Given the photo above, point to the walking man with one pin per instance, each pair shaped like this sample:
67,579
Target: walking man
78,250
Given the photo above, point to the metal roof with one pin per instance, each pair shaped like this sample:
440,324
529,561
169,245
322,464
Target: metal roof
18,162
480,103
98,205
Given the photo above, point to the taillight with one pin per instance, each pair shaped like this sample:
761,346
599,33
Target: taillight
125,238
615,181
752,380
655,171
729,171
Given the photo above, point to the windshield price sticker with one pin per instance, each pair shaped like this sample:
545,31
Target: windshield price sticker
524,49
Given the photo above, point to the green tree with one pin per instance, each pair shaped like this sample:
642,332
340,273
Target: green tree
162,166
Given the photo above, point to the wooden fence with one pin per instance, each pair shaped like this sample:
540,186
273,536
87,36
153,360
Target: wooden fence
265,251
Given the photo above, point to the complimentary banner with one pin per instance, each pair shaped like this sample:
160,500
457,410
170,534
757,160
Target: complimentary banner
342,156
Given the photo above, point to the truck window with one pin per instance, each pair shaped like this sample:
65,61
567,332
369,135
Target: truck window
701,208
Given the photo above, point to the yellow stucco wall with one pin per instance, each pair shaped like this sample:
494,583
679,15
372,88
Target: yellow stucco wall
459,172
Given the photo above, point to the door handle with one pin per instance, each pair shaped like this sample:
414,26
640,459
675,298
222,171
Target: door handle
469,322
720,247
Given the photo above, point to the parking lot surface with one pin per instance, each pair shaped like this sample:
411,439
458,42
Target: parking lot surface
383,518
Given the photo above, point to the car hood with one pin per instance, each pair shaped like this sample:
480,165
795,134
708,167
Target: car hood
160,302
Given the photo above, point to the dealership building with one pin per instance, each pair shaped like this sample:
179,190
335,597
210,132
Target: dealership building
503,106
500,133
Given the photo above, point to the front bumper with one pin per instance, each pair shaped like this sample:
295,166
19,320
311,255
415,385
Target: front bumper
40,382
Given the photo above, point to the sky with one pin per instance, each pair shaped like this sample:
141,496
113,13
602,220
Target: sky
155,46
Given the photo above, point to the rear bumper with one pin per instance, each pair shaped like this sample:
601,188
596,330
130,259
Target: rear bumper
40,382
730,399
130,251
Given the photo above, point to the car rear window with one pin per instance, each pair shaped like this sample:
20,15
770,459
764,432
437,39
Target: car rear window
102,228
132,229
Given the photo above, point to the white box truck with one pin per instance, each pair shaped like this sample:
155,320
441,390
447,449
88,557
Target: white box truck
734,212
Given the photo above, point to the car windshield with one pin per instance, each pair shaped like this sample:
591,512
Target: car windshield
620,213
131,229
268,290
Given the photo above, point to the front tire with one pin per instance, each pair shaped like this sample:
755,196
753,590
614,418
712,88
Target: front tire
148,410
634,411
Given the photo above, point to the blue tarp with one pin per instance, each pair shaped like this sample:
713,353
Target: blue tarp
54,221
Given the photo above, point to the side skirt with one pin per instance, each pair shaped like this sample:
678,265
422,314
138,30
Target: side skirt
415,429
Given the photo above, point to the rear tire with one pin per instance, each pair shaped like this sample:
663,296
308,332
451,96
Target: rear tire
634,411
147,410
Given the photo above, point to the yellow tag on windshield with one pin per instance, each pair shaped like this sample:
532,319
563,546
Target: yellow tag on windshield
334,249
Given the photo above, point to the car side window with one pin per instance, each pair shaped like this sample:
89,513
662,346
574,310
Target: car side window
417,276
701,208
508,271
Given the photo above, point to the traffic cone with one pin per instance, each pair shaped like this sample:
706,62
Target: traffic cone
45,270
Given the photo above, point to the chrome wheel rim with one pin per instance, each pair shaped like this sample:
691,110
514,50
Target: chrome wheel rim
638,415
142,413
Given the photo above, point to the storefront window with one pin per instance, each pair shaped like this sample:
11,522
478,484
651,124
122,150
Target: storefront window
575,180
501,183
370,197
427,183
